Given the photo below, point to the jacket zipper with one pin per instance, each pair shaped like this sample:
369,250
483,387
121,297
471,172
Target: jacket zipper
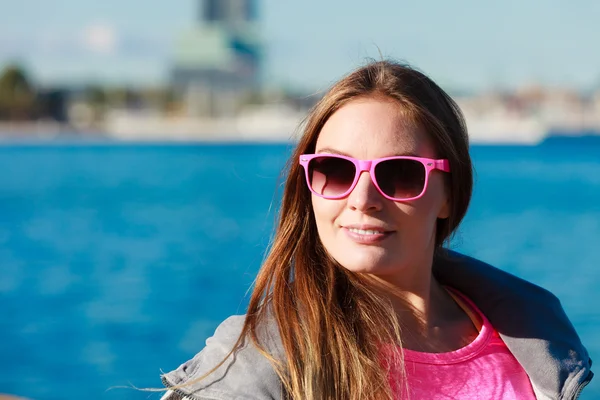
180,392
582,385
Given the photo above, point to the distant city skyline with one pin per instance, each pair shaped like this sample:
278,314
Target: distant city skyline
466,45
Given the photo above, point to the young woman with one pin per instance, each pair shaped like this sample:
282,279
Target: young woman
357,298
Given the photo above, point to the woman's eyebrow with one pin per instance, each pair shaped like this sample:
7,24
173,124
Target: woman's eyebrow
334,151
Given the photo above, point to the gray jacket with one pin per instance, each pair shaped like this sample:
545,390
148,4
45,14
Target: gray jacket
529,319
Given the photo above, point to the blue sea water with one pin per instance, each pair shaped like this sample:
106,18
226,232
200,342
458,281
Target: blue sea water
117,261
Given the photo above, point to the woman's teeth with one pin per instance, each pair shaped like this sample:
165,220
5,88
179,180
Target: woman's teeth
365,232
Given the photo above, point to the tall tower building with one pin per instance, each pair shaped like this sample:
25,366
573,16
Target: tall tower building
228,11
218,61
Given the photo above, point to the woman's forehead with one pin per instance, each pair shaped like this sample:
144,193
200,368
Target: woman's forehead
372,128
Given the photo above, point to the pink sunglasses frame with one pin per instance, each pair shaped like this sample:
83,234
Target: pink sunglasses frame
369,166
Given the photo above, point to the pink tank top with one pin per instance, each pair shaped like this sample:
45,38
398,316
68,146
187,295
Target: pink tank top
484,369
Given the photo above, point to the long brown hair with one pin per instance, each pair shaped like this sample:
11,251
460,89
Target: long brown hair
331,322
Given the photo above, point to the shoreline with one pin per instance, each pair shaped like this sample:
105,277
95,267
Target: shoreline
110,141
230,132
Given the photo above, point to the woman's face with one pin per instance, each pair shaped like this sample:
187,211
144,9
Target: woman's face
401,250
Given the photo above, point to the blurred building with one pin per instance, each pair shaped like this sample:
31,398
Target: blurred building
217,62
53,104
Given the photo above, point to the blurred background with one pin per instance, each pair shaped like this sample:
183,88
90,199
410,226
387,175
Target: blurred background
142,145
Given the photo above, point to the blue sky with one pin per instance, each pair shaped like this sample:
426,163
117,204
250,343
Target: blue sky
463,44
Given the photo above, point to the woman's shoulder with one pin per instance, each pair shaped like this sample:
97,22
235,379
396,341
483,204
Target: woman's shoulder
529,318
245,374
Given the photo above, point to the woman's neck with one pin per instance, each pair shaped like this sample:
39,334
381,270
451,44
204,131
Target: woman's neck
430,320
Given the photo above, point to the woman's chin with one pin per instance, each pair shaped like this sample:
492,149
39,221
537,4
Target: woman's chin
371,265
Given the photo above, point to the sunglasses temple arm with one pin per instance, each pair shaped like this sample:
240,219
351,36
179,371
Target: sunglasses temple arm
443,165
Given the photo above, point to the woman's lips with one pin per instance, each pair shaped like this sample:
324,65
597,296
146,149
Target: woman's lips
366,236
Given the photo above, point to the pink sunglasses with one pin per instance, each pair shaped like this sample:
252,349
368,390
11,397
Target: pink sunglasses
400,178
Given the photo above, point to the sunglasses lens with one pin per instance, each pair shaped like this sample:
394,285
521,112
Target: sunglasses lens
330,176
400,179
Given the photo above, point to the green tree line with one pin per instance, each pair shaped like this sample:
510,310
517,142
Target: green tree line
17,95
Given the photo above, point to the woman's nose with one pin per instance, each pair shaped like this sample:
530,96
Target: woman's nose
365,196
